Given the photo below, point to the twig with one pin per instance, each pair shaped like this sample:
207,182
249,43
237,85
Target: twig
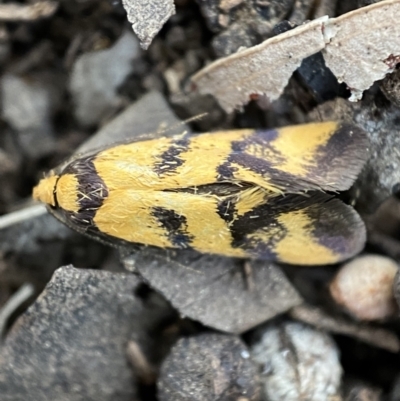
21,215
19,297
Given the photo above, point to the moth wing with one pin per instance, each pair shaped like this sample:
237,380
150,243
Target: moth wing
88,153
319,156
300,230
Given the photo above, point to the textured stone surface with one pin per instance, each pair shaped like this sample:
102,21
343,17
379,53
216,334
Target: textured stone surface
209,367
96,76
70,345
299,363
27,106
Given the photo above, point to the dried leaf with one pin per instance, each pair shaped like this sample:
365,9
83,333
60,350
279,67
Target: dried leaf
363,45
214,290
262,69
147,17
359,47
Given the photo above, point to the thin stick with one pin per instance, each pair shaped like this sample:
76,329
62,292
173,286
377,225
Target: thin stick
19,216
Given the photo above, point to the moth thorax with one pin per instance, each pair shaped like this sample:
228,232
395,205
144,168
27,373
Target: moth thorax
67,192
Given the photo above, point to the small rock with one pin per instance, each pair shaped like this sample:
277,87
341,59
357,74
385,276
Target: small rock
390,86
28,106
242,23
298,363
209,367
96,76
364,287
71,343
362,392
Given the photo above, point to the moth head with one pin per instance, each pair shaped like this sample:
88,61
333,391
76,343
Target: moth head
45,190
58,191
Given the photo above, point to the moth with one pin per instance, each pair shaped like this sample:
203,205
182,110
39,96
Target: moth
263,194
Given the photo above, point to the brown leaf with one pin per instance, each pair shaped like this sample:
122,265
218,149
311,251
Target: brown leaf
215,290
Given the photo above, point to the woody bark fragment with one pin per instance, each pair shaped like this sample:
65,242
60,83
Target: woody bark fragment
359,47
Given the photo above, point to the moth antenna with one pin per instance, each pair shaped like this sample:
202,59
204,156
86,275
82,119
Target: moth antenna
163,130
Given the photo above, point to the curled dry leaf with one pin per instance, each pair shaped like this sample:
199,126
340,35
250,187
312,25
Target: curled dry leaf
360,47
262,69
147,17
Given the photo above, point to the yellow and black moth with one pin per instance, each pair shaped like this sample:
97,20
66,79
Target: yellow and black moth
243,193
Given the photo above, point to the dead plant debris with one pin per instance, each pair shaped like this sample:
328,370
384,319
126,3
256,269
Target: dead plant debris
359,47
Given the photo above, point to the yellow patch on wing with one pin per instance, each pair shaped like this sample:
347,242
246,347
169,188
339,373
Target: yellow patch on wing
299,246
128,215
299,144
211,234
245,174
133,164
203,157
67,192
249,199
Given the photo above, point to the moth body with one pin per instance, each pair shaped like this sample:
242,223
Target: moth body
243,193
